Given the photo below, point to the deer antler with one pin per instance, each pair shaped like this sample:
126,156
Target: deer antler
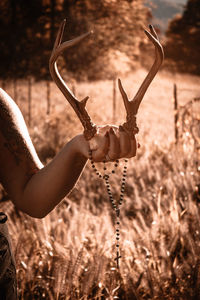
78,106
133,105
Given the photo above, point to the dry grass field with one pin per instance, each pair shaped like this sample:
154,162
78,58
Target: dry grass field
70,253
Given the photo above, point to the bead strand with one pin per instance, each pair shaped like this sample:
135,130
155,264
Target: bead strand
123,183
93,165
115,206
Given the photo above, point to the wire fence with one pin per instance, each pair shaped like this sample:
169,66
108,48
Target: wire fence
29,83
186,118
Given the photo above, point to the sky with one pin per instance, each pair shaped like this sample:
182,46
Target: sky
165,10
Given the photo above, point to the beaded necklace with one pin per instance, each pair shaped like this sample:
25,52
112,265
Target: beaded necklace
116,205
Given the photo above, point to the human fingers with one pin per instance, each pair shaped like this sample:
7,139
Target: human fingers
114,146
100,153
125,142
133,148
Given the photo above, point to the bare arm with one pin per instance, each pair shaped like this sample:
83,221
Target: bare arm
33,188
36,189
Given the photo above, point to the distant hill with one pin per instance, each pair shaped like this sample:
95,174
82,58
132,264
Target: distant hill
164,10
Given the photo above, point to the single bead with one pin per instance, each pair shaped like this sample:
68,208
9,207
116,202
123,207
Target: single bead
117,245
117,238
116,165
113,171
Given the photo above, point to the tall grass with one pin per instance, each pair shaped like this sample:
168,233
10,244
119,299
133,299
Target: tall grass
70,253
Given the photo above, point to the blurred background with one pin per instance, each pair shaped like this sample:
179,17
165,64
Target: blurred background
28,30
70,254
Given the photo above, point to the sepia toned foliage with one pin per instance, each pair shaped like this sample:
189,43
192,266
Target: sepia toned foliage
118,32
28,31
183,43
70,253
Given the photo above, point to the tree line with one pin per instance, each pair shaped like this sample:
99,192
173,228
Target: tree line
183,39
28,30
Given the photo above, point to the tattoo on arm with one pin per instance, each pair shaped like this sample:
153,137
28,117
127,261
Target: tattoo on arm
14,140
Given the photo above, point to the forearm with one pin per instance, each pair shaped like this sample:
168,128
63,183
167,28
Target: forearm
33,188
48,186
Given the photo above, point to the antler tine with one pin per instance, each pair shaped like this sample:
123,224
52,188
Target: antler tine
78,106
133,105
159,56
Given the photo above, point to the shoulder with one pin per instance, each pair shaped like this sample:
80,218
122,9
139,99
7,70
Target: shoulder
7,105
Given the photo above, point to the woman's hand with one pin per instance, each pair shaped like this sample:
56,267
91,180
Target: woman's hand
109,143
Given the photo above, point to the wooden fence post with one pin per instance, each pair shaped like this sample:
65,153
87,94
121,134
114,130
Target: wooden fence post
48,97
114,100
29,100
176,117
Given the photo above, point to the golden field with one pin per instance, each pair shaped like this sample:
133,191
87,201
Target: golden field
70,253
